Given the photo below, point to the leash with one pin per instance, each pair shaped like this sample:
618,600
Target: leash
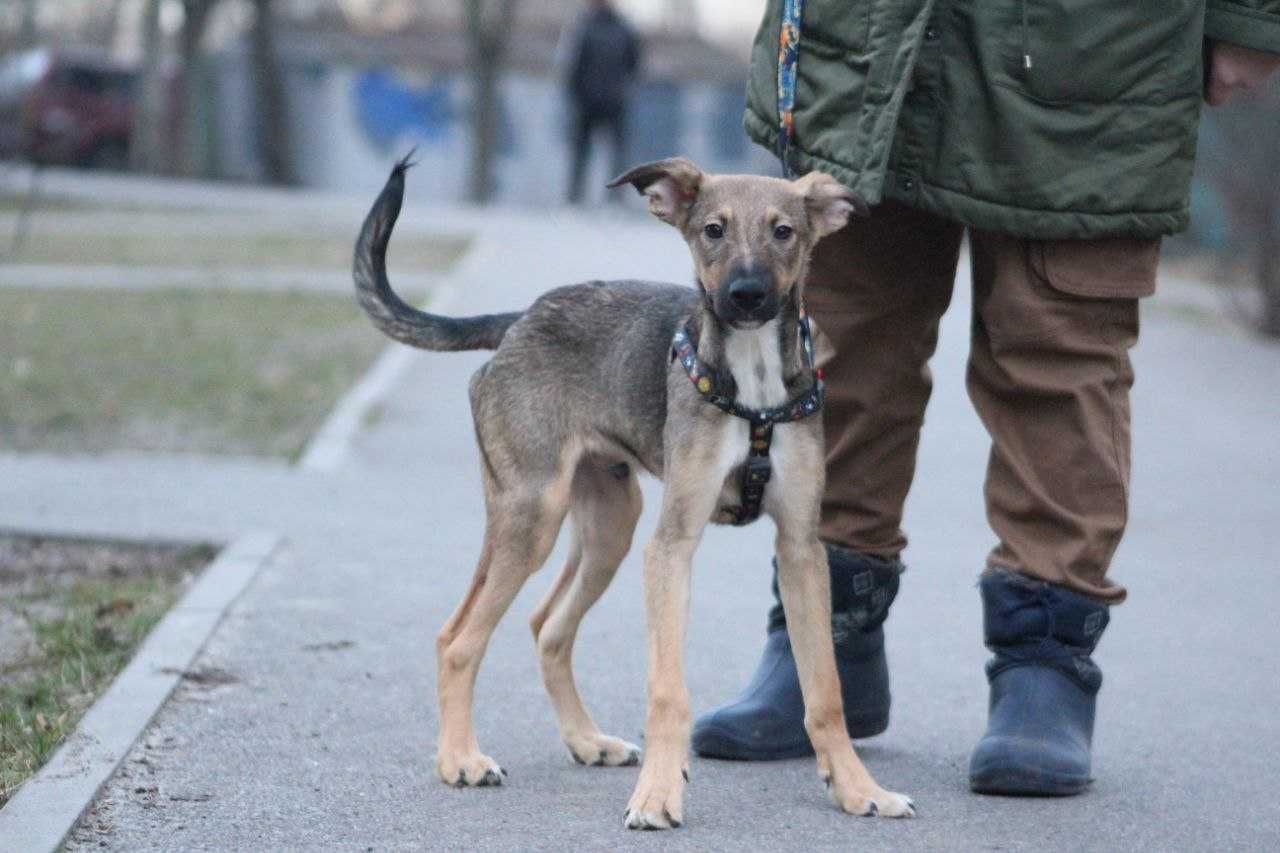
758,469
788,55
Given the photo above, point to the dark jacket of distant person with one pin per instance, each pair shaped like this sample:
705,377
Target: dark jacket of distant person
606,55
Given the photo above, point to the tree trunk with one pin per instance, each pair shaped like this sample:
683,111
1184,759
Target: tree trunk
1269,274
273,121
194,22
485,132
489,27
147,141
29,31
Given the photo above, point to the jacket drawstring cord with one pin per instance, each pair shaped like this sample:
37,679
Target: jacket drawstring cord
1026,39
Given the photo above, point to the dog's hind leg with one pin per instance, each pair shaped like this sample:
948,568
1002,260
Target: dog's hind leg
605,506
520,532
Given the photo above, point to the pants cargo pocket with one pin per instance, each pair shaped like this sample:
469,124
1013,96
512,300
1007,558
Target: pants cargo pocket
1112,268
1057,295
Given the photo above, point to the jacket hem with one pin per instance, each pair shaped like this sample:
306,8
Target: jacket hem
764,134
1232,23
1035,223
1030,223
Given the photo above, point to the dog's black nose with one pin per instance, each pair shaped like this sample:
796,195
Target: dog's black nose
748,293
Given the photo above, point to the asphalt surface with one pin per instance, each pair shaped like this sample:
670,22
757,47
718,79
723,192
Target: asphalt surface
323,734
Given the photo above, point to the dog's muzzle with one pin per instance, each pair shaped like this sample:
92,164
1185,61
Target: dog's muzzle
749,299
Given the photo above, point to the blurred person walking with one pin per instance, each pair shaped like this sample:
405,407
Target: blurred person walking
603,58
1060,137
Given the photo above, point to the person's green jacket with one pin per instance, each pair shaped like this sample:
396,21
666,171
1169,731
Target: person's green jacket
1037,118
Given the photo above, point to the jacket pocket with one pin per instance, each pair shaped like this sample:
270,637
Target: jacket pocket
1107,268
1105,51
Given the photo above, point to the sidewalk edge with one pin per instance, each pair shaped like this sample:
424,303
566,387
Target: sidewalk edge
328,447
47,806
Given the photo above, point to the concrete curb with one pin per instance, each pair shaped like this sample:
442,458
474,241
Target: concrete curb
328,448
115,277
47,806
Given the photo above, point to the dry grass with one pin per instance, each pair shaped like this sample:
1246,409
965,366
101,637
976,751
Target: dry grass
174,370
90,605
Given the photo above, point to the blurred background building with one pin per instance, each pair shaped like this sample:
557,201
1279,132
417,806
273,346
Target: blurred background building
357,83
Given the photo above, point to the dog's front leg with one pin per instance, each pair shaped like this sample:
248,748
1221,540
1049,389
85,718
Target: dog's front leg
805,586
658,799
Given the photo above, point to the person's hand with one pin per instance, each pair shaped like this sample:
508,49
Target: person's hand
1233,69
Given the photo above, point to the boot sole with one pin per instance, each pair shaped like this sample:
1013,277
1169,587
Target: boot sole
714,742
1020,782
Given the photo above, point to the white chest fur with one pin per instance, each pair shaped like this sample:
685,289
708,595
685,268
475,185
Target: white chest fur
754,358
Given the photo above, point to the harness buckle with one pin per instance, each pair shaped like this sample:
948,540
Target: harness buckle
758,471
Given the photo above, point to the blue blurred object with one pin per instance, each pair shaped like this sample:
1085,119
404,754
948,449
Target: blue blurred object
1210,223
725,123
1210,227
387,108
657,120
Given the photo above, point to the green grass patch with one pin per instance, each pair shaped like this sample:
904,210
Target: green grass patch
214,371
16,202
88,607
13,200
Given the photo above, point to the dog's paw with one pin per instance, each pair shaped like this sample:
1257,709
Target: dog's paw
657,803
469,771
603,751
875,802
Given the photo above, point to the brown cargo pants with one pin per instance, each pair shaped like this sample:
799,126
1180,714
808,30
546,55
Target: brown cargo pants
1048,373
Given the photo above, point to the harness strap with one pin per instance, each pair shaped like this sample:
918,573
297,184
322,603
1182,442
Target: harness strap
758,469
788,56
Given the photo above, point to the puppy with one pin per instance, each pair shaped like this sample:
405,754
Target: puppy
713,390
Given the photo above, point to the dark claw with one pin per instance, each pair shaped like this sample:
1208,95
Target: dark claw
600,759
873,809
503,771
577,758
462,779
633,758
826,782
685,773
491,777
675,824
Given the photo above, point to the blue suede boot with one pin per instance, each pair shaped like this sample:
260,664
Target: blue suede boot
766,722
1043,687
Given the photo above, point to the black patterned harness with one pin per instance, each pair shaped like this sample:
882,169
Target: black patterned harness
758,470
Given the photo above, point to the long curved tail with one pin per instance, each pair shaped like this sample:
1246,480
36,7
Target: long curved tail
389,312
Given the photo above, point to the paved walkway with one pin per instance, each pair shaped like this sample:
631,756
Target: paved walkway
325,737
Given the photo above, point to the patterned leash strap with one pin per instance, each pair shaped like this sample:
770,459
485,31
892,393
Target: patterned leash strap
788,55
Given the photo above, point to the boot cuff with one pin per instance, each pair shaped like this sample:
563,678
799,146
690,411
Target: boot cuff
1029,621
862,588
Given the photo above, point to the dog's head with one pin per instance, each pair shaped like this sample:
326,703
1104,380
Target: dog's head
750,236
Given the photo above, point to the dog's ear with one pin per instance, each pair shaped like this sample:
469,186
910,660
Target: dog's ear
671,185
829,202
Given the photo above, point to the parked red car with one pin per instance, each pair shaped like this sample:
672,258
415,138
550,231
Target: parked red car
66,108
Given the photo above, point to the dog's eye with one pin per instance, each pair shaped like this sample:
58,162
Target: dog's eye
714,230
782,232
